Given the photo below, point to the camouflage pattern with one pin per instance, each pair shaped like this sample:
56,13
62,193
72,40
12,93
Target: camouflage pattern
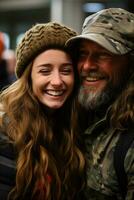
101,177
112,28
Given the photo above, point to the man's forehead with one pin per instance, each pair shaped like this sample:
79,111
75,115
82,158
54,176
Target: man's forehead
85,43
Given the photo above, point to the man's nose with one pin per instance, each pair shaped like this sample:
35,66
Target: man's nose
89,63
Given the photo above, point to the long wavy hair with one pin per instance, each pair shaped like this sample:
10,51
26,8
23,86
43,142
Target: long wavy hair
49,161
122,111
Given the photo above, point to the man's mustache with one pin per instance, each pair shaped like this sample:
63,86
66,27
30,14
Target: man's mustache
93,74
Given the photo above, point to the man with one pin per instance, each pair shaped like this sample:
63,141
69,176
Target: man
105,63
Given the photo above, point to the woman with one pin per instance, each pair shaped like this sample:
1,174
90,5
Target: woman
38,119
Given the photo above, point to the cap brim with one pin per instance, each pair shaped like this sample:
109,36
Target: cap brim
98,38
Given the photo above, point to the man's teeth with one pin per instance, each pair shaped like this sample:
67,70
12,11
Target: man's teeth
92,79
55,92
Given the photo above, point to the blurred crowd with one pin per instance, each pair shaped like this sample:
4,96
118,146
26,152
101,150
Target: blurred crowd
7,64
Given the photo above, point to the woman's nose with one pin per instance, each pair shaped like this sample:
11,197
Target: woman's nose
56,79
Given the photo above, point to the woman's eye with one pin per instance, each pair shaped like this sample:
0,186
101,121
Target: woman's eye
67,70
45,71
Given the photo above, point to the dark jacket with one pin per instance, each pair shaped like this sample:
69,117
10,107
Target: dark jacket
7,167
4,78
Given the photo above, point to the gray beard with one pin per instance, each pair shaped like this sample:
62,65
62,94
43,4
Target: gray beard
90,98
95,99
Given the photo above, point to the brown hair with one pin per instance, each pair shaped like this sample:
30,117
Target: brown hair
49,160
122,111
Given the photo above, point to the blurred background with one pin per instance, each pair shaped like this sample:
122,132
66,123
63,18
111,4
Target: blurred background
17,16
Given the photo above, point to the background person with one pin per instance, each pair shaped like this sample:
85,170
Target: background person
40,154
4,79
105,52
9,56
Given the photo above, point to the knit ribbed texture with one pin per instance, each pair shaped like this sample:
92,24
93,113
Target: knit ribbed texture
39,38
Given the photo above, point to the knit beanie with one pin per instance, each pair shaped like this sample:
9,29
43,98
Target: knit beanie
38,39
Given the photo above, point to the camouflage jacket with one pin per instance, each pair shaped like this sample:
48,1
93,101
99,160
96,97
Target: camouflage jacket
101,177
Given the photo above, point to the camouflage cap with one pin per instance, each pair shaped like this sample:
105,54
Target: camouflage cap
112,28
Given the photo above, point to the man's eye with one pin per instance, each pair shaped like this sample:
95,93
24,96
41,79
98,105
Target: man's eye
104,56
82,55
